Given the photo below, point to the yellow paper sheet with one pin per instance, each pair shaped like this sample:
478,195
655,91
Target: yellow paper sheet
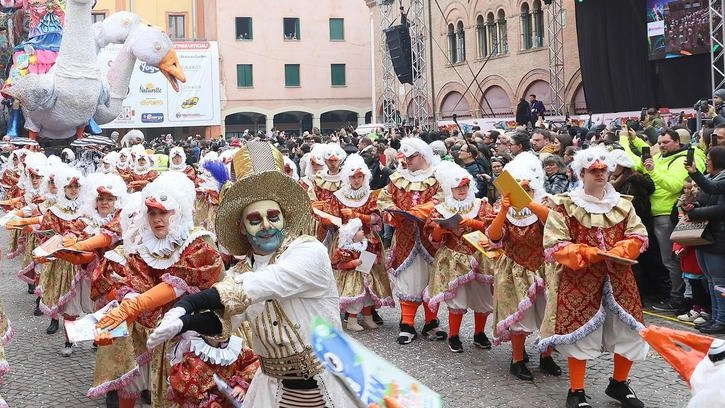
475,238
506,184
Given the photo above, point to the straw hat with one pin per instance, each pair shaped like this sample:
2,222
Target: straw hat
258,171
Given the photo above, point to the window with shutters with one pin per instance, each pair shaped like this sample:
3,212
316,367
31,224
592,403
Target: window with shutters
291,27
245,76
243,28
292,75
177,26
338,74
337,29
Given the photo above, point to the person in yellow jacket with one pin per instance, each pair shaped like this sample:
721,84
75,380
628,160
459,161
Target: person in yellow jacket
668,173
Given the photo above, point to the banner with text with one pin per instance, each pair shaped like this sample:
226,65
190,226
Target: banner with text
152,102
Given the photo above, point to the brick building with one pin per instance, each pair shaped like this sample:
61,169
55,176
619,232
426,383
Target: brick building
512,35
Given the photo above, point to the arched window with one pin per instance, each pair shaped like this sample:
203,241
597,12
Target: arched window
461,32
452,51
526,30
538,25
492,32
481,37
502,35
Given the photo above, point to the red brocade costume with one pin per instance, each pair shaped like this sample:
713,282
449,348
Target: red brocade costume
134,179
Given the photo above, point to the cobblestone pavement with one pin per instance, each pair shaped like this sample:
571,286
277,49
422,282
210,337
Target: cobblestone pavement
40,377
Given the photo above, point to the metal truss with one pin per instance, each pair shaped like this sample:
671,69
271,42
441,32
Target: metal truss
555,14
416,16
717,40
391,115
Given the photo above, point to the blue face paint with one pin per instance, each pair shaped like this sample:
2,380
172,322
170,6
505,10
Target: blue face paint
265,242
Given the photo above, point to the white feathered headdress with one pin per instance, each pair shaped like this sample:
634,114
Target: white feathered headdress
171,191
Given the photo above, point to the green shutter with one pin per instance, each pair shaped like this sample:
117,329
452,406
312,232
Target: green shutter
337,29
292,75
244,75
338,74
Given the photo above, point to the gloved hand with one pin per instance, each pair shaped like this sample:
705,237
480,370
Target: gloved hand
495,231
438,233
69,240
169,327
354,214
577,256
95,242
472,224
628,248
320,205
129,309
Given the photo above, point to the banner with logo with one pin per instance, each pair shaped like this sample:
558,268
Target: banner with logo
152,102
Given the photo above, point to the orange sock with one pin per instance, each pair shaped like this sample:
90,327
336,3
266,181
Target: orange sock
408,311
353,315
577,371
479,322
454,323
547,353
517,346
126,402
429,314
621,368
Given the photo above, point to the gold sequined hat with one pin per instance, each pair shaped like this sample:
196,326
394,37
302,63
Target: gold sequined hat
258,169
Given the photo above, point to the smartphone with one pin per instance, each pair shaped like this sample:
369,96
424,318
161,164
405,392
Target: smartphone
690,156
646,153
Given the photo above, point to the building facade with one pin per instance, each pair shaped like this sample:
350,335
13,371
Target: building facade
506,40
292,65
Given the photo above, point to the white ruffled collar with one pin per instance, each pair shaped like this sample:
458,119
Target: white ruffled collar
417,176
142,171
353,198
468,208
332,178
180,167
161,247
66,209
356,246
95,221
222,356
122,166
166,252
593,204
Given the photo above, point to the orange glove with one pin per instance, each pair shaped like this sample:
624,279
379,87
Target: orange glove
38,199
129,309
392,219
438,233
95,242
472,224
628,248
110,296
422,211
541,211
41,260
103,338
495,231
76,258
320,205
14,224
577,256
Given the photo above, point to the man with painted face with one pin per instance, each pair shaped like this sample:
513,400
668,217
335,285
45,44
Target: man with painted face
283,281
596,306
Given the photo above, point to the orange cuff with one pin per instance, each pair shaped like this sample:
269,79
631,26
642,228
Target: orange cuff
628,248
577,256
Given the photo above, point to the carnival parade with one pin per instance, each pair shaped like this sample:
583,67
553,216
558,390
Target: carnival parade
313,260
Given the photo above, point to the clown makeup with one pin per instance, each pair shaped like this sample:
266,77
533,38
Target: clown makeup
357,180
159,221
263,224
105,204
460,193
72,190
35,180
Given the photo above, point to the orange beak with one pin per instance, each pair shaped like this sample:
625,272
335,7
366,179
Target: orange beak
598,165
171,68
152,203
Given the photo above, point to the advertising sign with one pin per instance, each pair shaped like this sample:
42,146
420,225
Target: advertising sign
152,102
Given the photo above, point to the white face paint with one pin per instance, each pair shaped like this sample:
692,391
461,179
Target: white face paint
263,224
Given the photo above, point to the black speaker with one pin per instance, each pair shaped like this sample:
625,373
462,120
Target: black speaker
398,40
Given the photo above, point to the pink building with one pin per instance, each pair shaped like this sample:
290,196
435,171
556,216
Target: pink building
292,65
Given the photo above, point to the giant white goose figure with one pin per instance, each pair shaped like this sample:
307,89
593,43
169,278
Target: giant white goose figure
59,104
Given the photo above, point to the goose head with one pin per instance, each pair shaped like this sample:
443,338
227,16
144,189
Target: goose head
152,46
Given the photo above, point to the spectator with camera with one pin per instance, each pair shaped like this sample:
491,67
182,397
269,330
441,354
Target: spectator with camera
710,206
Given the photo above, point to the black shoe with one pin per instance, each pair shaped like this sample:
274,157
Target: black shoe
455,345
526,357
685,306
407,334
432,331
621,392
377,319
112,399
704,324
669,305
146,397
37,311
715,328
53,327
31,288
549,366
480,340
520,371
577,399
344,320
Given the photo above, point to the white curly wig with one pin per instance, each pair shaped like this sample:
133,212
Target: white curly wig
526,166
412,145
177,151
176,193
332,150
348,231
352,165
451,175
584,159
129,219
98,183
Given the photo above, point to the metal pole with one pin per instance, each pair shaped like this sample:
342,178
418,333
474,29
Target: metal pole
193,20
432,75
420,77
372,71
556,56
717,40
389,80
